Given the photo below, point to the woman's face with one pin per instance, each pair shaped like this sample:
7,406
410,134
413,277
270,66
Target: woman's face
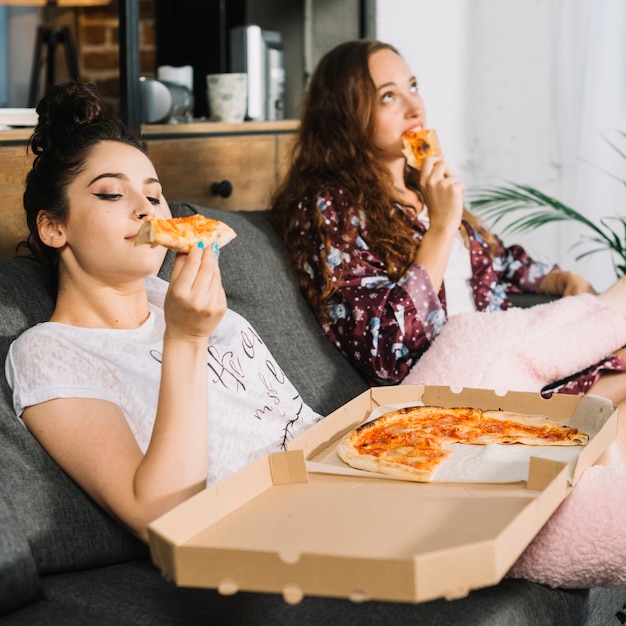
400,107
117,185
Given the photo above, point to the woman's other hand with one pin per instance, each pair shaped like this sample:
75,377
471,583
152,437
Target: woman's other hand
562,283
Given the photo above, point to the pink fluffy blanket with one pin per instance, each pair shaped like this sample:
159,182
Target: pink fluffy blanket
583,544
521,349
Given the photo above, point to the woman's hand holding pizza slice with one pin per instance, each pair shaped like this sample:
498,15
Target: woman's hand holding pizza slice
181,234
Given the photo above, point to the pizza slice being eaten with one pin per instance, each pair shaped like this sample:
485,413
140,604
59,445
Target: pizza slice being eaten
409,443
181,234
419,144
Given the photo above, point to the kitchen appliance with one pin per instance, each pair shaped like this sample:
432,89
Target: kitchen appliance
259,53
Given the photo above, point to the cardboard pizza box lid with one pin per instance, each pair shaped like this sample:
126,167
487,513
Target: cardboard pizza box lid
275,526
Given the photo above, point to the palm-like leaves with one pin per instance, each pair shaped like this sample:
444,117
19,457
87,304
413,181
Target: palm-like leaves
537,209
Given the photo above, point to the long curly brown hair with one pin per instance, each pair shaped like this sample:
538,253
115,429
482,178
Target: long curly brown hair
334,147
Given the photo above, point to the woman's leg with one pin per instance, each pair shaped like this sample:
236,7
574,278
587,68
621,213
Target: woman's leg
615,295
613,387
591,518
524,349
583,544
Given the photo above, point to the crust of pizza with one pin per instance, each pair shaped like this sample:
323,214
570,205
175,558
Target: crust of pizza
409,443
181,234
419,144
541,430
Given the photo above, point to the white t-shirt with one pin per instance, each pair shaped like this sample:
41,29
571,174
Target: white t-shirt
253,408
458,275
457,279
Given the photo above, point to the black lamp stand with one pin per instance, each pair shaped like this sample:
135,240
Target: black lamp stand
44,59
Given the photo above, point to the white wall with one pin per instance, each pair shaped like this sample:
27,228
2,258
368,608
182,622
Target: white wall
488,72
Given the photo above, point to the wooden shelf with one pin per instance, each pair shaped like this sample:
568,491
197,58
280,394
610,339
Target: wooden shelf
15,135
251,156
150,131
189,158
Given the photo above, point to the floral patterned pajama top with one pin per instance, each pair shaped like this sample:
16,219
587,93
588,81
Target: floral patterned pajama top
383,326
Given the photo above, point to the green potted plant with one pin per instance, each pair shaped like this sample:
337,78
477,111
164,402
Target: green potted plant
522,208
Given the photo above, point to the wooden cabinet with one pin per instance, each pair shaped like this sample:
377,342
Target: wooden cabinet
14,165
200,163
189,159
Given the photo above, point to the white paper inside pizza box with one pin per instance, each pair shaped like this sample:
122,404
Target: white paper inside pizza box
494,463
272,528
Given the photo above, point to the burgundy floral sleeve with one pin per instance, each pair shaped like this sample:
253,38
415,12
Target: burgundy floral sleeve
381,325
509,270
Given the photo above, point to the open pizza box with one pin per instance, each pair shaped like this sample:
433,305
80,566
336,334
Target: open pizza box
289,523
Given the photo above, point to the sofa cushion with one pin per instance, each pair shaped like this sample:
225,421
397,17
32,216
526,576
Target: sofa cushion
131,593
260,287
20,581
64,527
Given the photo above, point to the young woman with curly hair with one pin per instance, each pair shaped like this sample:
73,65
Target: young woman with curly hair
386,254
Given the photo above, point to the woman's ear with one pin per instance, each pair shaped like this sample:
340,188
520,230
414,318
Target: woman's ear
51,232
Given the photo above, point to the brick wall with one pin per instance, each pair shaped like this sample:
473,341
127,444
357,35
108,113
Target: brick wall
97,42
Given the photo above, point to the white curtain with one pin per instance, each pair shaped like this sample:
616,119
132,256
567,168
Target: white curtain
590,91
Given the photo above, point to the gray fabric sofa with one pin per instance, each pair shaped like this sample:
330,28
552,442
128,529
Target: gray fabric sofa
63,560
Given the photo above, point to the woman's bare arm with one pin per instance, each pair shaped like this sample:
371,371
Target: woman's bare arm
92,441
443,194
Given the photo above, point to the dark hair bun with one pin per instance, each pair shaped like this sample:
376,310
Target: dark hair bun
61,110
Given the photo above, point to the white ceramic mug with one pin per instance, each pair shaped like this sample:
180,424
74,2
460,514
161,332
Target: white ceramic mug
227,96
179,75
